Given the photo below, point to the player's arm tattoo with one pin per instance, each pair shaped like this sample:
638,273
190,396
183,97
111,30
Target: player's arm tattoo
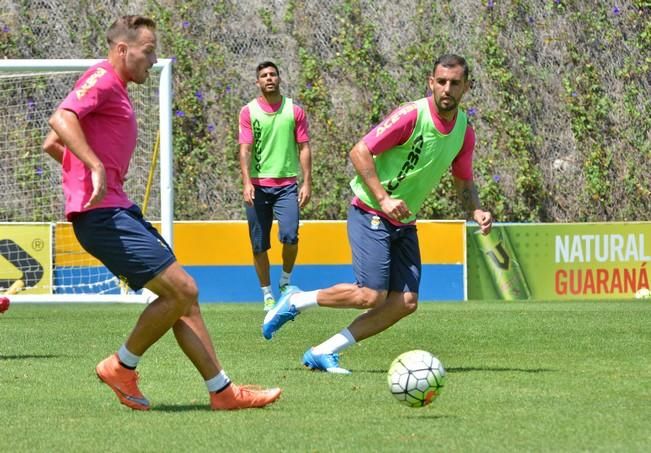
469,198
366,173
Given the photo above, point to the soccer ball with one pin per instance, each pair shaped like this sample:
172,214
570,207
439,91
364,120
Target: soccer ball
643,293
4,304
416,378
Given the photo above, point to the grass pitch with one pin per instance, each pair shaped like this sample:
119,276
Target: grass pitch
521,377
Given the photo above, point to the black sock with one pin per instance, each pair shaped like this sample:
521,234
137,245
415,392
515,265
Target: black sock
223,388
126,366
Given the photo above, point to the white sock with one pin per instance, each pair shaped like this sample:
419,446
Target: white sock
284,279
336,343
218,383
304,300
266,290
128,358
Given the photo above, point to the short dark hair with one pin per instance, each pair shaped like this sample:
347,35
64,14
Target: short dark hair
451,60
128,28
266,64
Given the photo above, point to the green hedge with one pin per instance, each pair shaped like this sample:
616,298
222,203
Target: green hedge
561,98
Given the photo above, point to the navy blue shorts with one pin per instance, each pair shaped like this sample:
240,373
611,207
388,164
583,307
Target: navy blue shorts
129,246
385,257
269,203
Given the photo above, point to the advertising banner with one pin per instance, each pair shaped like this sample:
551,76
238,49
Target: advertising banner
559,261
25,258
218,256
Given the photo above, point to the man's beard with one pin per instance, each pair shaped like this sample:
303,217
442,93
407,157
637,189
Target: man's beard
452,105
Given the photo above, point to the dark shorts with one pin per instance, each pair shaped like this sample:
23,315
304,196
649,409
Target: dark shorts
129,246
269,203
385,257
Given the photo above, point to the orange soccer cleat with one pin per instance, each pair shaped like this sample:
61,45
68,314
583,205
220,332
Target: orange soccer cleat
123,381
242,397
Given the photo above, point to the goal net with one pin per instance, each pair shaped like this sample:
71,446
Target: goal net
40,258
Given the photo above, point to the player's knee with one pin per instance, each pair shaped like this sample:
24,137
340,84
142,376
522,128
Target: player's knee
410,303
368,298
188,292
260,249
288,237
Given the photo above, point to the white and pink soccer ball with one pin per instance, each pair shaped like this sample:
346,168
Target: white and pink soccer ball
416,378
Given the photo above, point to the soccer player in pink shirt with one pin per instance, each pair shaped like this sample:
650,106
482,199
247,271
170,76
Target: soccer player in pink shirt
398,164
93,136
274,142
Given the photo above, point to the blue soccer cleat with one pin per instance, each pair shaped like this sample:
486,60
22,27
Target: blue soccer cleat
282,312
323,362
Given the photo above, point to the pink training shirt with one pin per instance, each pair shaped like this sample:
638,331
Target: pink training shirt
301,135
396,129
101,102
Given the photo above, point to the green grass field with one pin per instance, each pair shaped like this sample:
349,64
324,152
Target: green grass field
521,377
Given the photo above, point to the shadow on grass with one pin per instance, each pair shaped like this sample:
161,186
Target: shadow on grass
29,356
180,407
497,369
483,369
428,417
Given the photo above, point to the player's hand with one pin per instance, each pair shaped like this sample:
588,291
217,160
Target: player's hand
98,178
484,219
304,195
249,194
395,208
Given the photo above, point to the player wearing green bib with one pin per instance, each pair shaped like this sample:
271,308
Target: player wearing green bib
398,164
421,161
274,141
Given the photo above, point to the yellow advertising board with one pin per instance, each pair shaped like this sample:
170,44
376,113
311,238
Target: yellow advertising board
26,258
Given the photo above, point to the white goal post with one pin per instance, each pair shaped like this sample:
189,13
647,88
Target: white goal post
40,259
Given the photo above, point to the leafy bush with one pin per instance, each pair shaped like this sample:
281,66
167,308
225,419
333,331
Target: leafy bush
560,99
